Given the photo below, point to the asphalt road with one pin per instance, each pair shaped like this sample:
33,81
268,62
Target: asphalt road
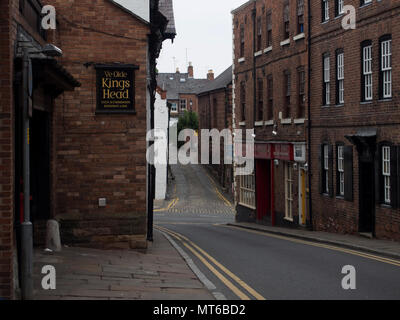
244,264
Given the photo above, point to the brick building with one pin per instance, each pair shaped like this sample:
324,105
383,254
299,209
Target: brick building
355,118
215,112
87,134
270,96
182,89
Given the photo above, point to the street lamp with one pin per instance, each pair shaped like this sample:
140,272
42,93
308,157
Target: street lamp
26,226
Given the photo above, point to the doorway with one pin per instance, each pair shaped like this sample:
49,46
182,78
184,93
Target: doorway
263,188
302,197
366,197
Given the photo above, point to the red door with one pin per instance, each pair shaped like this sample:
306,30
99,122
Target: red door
263,188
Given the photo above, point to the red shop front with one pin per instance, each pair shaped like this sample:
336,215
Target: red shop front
265,154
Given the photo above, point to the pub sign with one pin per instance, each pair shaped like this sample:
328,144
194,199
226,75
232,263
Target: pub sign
115,88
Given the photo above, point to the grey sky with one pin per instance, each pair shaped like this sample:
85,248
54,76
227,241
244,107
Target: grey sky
204,28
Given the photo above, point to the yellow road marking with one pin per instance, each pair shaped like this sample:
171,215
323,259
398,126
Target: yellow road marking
170,205
219,265
219,194
320,245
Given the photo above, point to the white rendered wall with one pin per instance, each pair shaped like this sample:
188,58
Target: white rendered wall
161,126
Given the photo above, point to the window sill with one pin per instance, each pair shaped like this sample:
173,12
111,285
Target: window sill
326,106
288,219
339,16
246,206
385,100
269,123
242,123
269,49
258,53
285,42
340,197
240,60
325,22
385,206
366,5
286,121
299,121
339,105
365,102
299,36
258,123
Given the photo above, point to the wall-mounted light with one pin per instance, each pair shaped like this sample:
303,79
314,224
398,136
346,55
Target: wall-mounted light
275,130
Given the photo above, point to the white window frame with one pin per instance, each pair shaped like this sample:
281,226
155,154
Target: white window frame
183,104
340,76
386,68
174,109
289,180
386,174
367,72
340,164
326,10
247,191
327,79
326,167
340,6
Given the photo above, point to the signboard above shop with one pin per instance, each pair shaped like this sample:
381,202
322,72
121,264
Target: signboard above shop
115,86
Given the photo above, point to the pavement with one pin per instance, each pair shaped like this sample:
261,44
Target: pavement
381,247
90,274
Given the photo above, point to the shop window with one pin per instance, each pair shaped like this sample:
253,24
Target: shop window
247,196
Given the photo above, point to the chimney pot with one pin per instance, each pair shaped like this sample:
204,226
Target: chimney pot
210,75
177,70
190,70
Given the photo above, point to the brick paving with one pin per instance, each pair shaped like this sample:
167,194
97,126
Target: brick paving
91,274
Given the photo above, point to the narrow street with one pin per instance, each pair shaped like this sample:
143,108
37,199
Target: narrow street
245,264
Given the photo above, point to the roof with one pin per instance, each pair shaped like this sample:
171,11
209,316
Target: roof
221,82
180,83
244,5
167,9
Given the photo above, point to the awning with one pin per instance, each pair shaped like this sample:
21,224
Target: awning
52,76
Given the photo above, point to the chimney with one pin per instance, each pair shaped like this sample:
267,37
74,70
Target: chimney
177,70
210,75
190,70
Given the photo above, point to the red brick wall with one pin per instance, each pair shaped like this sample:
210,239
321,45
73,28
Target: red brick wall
333,123
100,156
275,62
6,154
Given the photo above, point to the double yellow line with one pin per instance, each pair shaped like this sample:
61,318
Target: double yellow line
219,194
171,205
213,265
321,245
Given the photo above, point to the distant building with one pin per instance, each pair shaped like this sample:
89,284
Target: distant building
182,89
215,112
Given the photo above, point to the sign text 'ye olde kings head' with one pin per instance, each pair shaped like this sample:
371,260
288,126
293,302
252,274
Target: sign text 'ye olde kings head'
115,89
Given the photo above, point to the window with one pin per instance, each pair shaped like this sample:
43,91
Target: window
247,193
215,112
386,67
241,41
364,2
287,87
326,170
339,77
183,104
366,85
325,10
386,174
243,100
327,81
301,75
288,191
339,7
270,85
174,107
260,106
269,29
286,25
340,170
259,34
300,16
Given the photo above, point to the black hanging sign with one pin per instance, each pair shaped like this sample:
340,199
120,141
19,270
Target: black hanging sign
115,88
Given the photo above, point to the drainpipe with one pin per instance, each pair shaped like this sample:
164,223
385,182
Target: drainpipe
26,226
309,116
254,13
